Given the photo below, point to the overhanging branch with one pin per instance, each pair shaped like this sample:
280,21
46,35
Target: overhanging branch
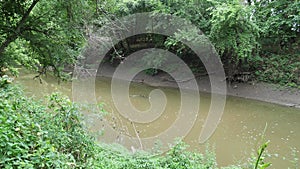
12,37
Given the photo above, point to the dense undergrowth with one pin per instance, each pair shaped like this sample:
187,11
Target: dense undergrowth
51,134
279,69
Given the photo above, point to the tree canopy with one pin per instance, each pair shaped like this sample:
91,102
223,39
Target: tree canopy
39,34
250,36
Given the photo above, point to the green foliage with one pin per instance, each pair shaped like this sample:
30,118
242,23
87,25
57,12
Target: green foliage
137,6
279,60
38,136
260,163
178,158
192,10
233,32
153,62
48,35
5,80
20,55
40,34
258,160
280,69
279,22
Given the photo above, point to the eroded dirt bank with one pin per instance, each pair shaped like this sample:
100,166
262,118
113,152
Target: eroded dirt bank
257,91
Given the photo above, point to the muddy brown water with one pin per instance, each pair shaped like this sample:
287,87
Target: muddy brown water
238,135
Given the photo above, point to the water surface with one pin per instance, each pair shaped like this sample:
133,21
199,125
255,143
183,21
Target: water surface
238,135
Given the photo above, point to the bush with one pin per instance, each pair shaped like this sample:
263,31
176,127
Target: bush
280,69
38,136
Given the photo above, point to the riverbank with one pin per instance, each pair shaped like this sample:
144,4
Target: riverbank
253,90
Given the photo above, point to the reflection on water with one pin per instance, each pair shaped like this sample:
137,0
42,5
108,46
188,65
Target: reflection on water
237,136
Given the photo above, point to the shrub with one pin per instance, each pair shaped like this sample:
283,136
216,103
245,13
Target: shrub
280,69
37,136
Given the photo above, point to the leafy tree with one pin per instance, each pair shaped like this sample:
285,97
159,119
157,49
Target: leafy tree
48,35
247,34
40,34
278,60
280,24
234,33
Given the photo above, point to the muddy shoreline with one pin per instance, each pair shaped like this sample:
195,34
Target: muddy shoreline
257,91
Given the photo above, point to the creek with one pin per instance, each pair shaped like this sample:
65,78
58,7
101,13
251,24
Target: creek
238,135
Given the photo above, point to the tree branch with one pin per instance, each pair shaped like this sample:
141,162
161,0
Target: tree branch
18,29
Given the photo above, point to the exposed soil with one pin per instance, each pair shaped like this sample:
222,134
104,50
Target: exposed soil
252,90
